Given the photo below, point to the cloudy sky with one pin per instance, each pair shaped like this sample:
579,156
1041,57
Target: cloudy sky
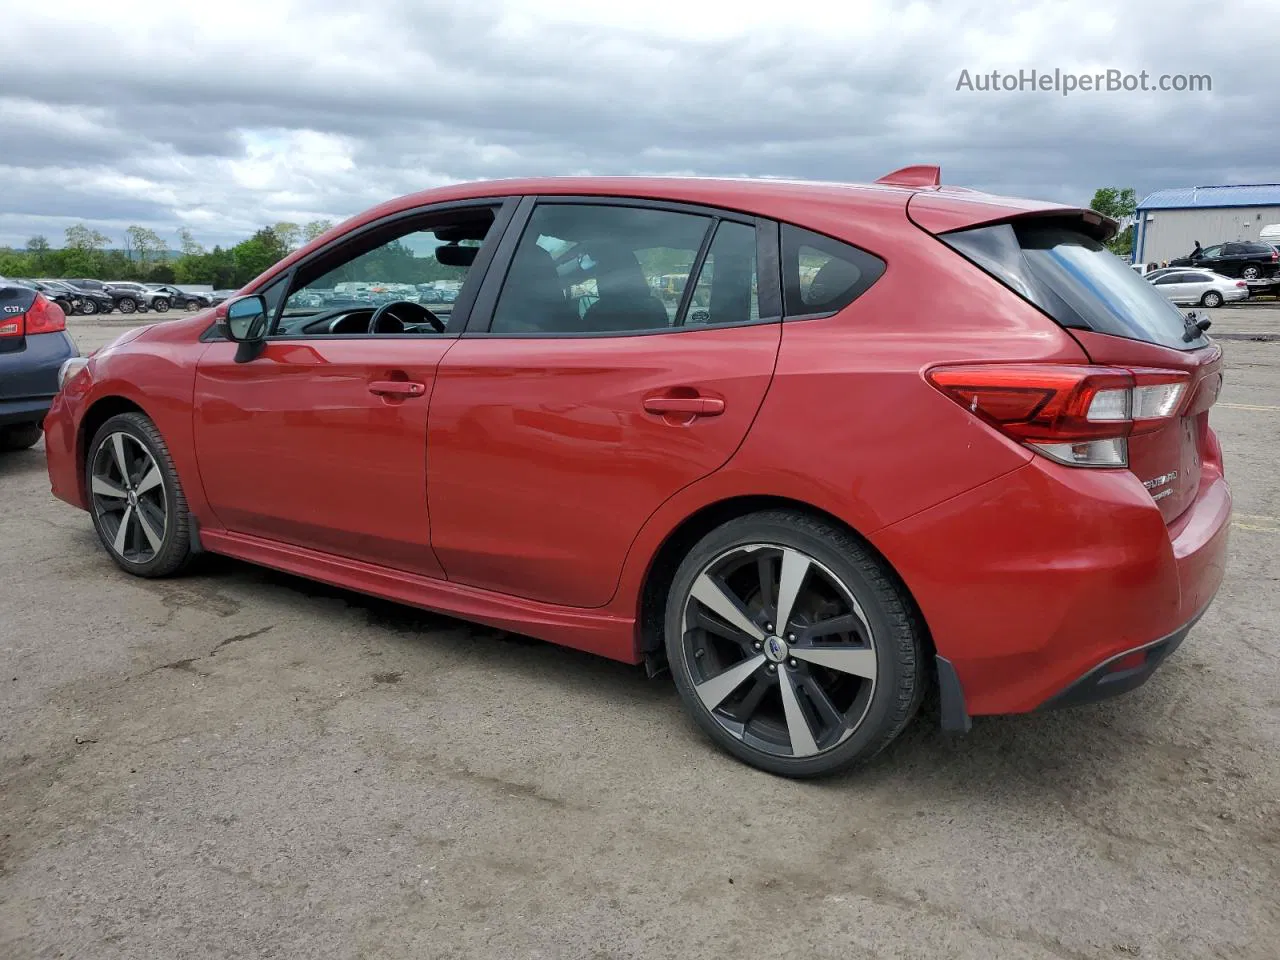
225,116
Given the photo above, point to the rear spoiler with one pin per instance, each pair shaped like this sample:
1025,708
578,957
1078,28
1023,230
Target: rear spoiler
938,209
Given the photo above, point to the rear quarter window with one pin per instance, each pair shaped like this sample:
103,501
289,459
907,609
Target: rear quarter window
822,275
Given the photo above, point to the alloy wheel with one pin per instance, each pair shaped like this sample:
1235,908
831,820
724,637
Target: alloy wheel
128,493
778,649
127,305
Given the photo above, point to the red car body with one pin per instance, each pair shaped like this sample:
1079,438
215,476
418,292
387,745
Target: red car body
530,489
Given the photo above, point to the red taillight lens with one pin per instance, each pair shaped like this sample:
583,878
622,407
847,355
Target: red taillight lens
45,316
12,327
1241,283
1080,415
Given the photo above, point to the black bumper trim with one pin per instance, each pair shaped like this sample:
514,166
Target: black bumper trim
1102,682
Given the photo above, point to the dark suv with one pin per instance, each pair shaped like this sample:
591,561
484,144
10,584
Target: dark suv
1248,259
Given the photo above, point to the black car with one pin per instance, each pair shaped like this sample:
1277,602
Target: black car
180,298
1247,259
90,301
33,347
65,297
124,300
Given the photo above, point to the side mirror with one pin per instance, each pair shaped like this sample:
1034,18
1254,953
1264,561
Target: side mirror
245,319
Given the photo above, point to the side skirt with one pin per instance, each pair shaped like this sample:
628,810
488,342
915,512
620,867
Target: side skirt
589,630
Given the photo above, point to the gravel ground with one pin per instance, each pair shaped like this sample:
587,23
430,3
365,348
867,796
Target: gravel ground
243,764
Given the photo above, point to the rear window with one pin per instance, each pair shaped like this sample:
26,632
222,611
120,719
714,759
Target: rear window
1075,280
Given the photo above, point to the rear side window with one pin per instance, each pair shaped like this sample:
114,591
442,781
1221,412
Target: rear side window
1075,280
821,275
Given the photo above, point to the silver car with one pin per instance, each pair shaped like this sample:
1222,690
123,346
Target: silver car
1203,287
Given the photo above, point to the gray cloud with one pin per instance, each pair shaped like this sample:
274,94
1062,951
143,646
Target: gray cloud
256,118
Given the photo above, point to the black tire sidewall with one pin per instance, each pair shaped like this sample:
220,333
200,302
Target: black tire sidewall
898,656
175,548
1212,300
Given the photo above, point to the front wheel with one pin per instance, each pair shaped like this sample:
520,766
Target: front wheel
136,499
127,305
88,307
1211,299
161,305
792,645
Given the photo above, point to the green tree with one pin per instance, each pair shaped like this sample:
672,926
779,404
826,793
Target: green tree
287,233
187,243
1120,204
256,254
315,228
144,243
80,237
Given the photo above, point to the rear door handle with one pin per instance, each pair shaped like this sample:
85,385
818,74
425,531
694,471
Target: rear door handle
397,388
690,406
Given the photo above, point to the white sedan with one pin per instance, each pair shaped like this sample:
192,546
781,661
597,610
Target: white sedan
1203,287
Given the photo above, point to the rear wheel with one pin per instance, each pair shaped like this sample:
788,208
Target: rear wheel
1211,299
792,646
136,499
1251,272
20,436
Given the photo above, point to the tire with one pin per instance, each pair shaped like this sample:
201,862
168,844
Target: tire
160,305
19,437
1250,272
124,491
191,305
127,305
1211,299
872,676
88,307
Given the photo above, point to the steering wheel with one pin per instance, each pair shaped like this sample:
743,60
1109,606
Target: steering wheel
378,325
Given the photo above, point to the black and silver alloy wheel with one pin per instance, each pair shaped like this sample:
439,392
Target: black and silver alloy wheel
791,645
135,498
127,488
127,305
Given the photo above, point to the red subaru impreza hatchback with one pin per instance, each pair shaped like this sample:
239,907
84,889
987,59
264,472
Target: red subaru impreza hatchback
816,447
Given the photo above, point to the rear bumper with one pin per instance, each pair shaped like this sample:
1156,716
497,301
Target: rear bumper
29,377
1036,584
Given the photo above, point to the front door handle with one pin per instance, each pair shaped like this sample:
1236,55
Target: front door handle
397,388
687,406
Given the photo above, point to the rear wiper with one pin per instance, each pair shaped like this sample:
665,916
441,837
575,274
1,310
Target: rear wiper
1194,326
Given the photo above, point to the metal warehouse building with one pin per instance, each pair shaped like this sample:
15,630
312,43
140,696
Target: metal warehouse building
1169,222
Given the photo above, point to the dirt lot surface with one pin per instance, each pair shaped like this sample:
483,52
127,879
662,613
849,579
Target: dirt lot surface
243,764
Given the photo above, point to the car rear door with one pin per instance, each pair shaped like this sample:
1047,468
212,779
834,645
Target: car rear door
580,397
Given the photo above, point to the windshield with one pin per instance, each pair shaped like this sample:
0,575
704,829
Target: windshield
1075,280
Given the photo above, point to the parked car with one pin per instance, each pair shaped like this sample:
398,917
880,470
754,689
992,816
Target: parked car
90,301
1249,260
142,296
1203,287
899,459
219,296
126,301
182,299
64,297
33,346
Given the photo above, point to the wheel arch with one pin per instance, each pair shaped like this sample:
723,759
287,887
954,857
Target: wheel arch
662,565
98,413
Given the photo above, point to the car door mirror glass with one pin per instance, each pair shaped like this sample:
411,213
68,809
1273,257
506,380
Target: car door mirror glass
246,319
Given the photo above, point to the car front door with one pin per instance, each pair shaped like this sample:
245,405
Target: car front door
321,440
585,392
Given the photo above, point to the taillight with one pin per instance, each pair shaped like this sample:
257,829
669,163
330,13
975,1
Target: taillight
1078,415
45,316
1241,283
12,327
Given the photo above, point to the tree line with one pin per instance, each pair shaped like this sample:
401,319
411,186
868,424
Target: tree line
146,257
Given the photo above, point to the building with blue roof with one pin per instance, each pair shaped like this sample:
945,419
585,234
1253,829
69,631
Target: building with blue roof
1169,222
